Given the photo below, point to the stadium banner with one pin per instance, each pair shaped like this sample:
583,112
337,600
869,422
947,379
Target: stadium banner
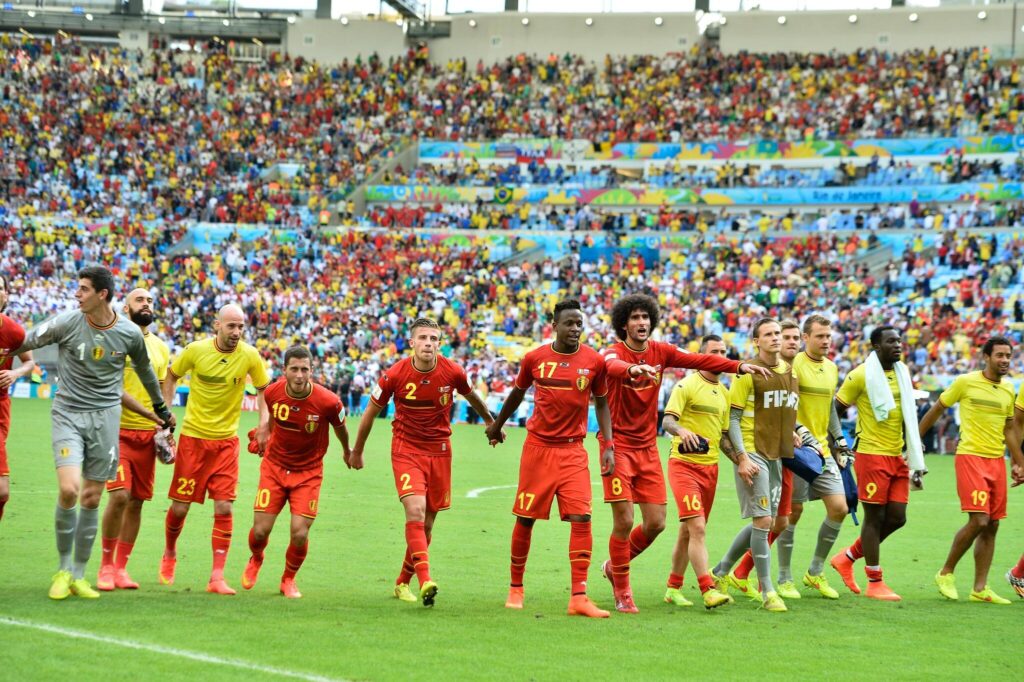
649,196
528,149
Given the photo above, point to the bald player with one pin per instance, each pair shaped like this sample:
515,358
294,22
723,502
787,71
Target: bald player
132,486
207,462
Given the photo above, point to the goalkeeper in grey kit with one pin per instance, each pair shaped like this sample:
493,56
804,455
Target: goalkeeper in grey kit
94,344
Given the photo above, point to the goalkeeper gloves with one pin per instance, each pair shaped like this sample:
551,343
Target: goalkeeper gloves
160,410
807,439
166,448
842,452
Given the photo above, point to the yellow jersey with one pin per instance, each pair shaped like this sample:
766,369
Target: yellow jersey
741,396
818,382
873,437
159,358
700,406
218,382
1020,399
984,408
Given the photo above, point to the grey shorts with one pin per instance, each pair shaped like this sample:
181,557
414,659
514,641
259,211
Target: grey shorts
762,498
830,482
88,440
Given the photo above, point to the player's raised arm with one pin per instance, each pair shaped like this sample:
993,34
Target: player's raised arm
717,364
47,332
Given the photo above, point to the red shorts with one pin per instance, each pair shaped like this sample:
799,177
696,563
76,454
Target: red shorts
137,466
637,478
427,476
693,486
300,489
981,484
882,479
205,466
545,473
5,427
786,497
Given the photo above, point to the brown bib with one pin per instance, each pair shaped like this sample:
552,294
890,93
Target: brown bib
775,405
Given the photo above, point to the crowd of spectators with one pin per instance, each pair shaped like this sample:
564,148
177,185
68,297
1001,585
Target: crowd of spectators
351,294
112,134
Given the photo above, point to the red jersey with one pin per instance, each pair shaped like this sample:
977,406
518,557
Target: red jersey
423,404
634,403
300,431
12,335
561,397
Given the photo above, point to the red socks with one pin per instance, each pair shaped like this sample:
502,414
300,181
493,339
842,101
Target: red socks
581,544
874,575
172,529
675,581
638,542
109,547
520,550
746,564
706,582
855,551
221,542
122,553
293,559
257,546
408,570
618,553
416,541
1018,570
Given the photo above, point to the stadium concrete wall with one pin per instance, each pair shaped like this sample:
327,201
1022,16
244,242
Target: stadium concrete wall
497,36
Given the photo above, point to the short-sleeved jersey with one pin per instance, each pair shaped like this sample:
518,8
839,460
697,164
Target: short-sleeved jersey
1020,399
741,396
873,437
301,427
700,406
984,408
90,375
12,335
818,382
159,358
218,382
634,402
423,404
563,384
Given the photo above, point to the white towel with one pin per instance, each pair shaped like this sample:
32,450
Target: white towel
882,403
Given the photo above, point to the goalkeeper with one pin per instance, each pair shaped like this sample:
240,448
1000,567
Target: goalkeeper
140,444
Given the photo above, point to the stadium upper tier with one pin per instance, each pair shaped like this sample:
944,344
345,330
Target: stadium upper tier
108,133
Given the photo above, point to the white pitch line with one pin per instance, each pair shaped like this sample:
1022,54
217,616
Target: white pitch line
477,492
165,650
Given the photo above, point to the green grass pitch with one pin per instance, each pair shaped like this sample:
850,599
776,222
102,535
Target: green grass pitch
348,626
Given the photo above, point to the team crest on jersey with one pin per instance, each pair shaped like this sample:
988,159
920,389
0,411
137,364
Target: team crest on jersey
582,382
445,399
98,352
311,427
235,380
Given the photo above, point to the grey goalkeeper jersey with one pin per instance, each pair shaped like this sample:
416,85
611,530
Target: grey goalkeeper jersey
92,360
